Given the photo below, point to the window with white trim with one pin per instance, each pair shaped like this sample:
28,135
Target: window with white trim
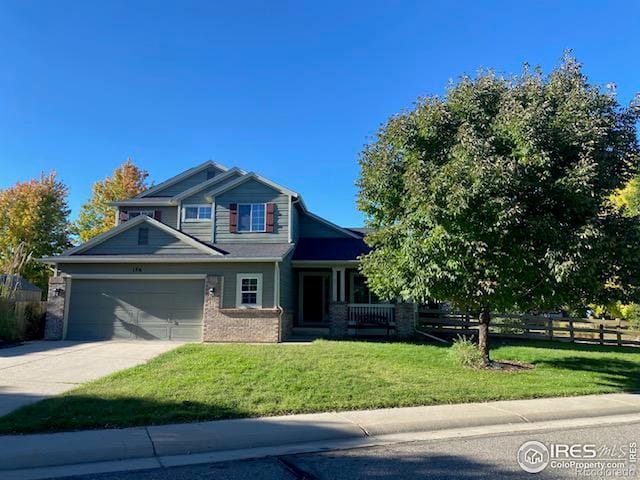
137,213
252,217
249,290
196,213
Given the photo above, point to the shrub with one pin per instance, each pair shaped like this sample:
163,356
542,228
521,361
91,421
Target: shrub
9,325
466,352
632,314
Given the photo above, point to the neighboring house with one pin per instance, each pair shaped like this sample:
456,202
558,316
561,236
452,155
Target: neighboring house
19,288
212,254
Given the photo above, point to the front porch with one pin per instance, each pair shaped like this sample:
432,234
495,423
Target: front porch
334,301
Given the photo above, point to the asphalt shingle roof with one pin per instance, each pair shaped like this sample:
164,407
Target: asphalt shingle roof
252,250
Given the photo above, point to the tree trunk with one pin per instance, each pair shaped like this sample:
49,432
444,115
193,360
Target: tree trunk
483,335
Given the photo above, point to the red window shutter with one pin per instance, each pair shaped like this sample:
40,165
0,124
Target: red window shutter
157,215
271,207
123,216
233,217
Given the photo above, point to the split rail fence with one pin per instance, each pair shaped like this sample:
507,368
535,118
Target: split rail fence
535,327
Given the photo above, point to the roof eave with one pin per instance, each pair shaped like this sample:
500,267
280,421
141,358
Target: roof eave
153,259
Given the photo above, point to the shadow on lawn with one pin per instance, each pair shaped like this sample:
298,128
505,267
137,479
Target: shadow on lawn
82,412
613,372
580,347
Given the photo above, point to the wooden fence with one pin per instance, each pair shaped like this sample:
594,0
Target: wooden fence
535,327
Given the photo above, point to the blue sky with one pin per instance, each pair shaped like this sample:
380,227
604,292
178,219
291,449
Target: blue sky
291,90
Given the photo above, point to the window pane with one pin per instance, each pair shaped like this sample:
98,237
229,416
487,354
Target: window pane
249,298
244,218
191,213
249,284
205,213
133,214
257,223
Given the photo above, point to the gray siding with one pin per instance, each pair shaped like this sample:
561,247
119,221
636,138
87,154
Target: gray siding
185,184
288,286
200,230
169,214
295,224
126,243
252,191
227,270
311,228
199,198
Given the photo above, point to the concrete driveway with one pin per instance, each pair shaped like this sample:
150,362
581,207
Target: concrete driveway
37,370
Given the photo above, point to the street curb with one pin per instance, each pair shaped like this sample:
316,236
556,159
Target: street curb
73,448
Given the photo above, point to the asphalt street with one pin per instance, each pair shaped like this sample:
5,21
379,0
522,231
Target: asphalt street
488,457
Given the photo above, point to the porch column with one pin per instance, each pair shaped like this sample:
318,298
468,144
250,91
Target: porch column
334,284
342,285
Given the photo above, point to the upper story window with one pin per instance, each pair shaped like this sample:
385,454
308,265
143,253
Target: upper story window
196,213
252,217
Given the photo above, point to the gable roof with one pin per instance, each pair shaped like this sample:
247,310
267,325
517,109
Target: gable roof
330,249
18,282
97,240
182,176
208,183
332,225
246,178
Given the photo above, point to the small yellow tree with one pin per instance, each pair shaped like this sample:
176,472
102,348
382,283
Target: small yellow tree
96,216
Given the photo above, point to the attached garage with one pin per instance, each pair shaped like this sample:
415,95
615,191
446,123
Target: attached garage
136,309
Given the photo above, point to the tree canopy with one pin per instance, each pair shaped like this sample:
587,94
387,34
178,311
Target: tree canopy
96,216
498,195
34,218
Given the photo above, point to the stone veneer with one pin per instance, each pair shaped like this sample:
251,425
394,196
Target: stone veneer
54,321
339,318
405,319
237,324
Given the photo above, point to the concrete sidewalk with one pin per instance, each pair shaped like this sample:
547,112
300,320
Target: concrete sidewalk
169,441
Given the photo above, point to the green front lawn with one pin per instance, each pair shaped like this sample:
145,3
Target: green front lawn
208,382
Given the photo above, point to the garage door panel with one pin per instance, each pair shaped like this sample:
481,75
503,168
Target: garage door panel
136,309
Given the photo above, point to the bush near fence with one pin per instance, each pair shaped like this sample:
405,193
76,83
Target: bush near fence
535,327
21,320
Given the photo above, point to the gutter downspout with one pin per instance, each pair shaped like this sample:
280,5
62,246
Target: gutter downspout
276,298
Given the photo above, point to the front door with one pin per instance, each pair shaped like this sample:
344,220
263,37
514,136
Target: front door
314,293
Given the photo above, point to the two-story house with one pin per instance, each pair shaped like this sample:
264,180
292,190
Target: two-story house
213,254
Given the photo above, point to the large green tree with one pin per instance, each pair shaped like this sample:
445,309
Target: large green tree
496,197
97,216
33,219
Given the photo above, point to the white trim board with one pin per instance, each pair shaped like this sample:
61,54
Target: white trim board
182,176
155,259
137,221
135,276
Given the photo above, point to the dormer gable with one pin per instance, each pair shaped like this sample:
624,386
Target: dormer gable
186,180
